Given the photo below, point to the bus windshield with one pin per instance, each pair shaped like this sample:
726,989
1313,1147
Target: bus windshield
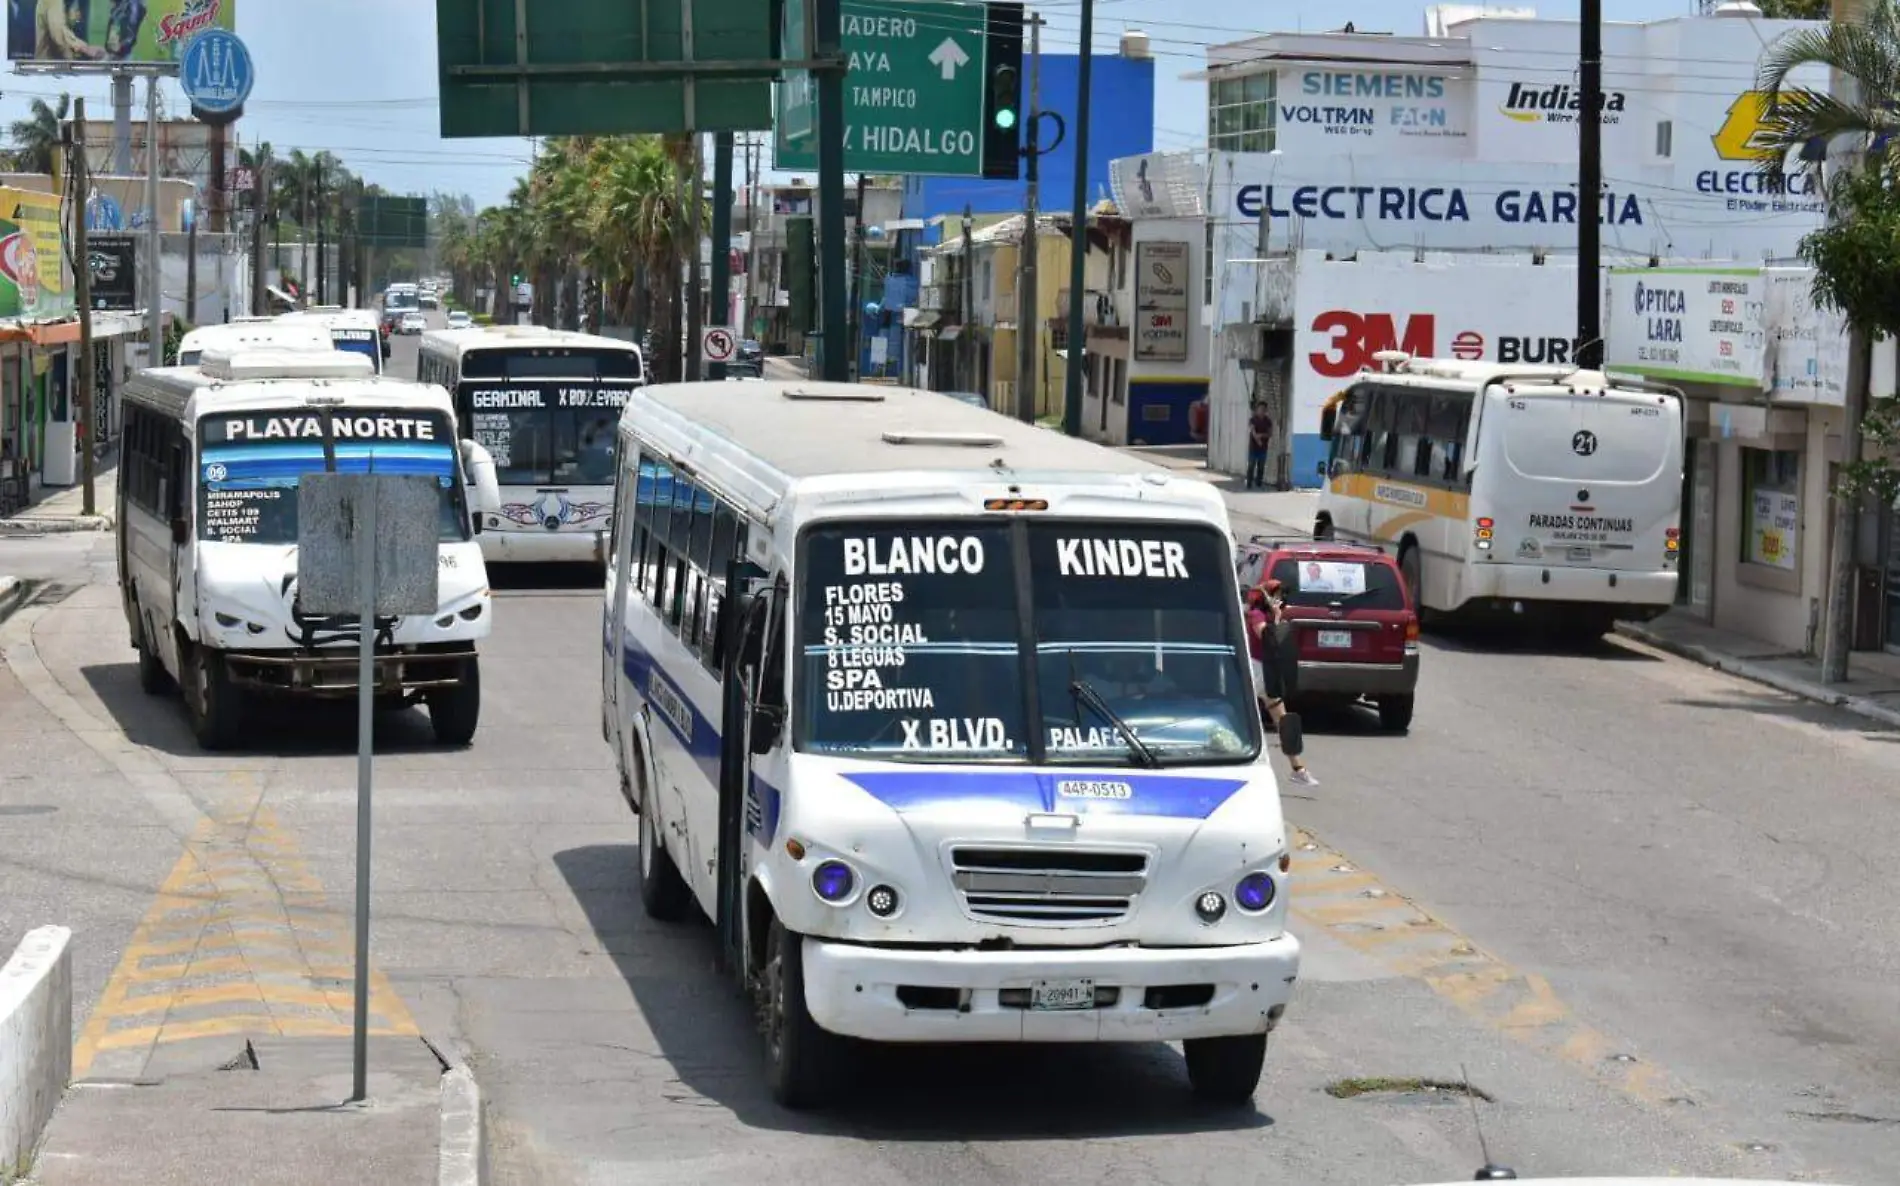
912,642
359,341
249,465
547,416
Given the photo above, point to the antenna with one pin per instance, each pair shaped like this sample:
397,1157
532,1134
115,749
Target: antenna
1491,1172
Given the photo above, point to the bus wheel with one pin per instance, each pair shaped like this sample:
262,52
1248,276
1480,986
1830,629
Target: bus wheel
154,680
801,1058
663,892
1226,1070
1409,569
454,712
216,710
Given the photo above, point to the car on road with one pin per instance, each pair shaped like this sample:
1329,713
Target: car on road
745,368
461,319
412,323
751,351
1351,619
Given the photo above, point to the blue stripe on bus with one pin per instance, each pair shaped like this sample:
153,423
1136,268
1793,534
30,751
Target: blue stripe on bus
1167,796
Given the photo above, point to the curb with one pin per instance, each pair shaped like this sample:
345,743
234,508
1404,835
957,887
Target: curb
460,1155
14,593
1756,673
28,525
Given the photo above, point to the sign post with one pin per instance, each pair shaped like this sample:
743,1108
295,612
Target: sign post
366,547
917,94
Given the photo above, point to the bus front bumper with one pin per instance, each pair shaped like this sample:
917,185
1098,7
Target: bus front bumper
331,673
1141,994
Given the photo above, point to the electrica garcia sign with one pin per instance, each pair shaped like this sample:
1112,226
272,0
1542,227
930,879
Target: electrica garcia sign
1427,203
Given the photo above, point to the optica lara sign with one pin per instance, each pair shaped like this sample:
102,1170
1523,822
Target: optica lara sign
1694,325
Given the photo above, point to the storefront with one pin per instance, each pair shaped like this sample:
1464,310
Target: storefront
41,418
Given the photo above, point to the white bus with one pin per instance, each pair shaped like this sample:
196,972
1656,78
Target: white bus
947,721
543,403
208,532
252,334
353,331
1545,492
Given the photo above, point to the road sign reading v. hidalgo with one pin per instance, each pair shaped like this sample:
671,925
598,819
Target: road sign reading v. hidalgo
920,94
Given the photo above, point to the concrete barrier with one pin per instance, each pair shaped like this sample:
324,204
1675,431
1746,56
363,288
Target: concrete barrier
36,1042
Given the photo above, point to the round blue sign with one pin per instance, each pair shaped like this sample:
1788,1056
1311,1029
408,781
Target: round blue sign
216,73
103,213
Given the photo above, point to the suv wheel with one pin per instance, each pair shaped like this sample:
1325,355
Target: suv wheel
1395,713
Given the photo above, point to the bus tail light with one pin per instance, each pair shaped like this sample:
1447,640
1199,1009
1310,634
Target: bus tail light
1015,504
1484,532
1672,540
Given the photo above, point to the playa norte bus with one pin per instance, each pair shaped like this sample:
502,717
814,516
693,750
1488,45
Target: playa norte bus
947,722
208,536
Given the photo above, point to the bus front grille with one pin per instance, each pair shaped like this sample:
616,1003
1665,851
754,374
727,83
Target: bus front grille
1048,886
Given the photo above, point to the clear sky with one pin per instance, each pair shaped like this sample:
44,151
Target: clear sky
358,77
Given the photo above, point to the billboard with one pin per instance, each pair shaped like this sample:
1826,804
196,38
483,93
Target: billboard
32,256
110,30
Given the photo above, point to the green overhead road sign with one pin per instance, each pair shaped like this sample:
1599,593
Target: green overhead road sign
916,94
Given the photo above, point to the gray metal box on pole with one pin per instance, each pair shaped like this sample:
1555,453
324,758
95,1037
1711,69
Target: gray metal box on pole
367,546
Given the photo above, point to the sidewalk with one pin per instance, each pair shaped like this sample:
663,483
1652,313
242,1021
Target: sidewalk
1872,690
59,508
1256,512
273,1114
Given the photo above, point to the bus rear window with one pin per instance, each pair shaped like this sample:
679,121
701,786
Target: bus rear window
1320,583
551,363
1589,438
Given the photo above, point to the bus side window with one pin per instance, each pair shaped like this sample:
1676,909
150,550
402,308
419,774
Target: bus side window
699,566
678,535
656,510
1447,431
727,537
1381,432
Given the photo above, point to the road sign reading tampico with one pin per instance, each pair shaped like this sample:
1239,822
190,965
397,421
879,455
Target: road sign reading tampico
914,97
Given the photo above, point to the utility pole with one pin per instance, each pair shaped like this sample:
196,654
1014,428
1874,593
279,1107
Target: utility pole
1079,230
191,269
323,251
81,181
721,302
857,283
969,304
260,209
1590,189
154,245
827,37
695,276
1028,303
753,151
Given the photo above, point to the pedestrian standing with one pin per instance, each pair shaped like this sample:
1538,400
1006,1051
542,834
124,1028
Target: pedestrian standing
1259,437
1264,610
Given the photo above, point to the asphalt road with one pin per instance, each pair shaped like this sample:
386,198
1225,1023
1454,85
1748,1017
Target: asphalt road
1645,905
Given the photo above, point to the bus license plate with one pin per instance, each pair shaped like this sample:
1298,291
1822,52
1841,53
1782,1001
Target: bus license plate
1336,639
1062,994
1580,554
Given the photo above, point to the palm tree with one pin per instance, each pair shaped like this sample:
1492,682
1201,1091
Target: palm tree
1806,124
36,138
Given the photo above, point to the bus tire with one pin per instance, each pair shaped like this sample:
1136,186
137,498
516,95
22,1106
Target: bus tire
663,892
154,680
1395,712
455,712
216,708
801,1057
1226,1071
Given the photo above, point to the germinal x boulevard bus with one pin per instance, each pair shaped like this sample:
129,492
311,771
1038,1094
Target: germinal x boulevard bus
207,508
1543,492
252,334
947,722
543,403
353,331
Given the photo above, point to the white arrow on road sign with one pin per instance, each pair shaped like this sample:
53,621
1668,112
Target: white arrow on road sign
947,57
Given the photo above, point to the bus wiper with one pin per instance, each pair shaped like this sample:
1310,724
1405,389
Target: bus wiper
1084,692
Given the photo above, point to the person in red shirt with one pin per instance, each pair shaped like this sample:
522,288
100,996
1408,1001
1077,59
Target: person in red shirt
1263,614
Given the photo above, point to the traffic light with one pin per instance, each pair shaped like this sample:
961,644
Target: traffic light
1005,92
515,279
1003,100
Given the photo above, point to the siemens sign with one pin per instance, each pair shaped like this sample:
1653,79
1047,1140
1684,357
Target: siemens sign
1335,85
1410,203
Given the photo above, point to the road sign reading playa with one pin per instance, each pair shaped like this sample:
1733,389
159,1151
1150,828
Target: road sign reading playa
717,344
913,100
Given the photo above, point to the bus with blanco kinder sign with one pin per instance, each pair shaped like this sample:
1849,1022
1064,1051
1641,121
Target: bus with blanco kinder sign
947,722
1534,491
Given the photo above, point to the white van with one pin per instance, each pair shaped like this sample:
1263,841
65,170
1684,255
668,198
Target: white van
353,331
208,536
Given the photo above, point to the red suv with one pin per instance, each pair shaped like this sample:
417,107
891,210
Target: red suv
1352,620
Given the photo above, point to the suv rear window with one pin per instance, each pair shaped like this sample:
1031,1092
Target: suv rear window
1360,585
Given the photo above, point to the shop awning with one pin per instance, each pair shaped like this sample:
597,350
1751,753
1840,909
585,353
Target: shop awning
949,333
921,318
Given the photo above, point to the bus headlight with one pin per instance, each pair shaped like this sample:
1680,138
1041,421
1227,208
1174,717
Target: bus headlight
833,881
882,901
1210,907
1255,892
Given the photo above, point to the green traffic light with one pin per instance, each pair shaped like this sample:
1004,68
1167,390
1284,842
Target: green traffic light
1006,119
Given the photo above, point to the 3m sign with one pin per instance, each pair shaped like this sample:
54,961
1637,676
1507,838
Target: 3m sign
1353,341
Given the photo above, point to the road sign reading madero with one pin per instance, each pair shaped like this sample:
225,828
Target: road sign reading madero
913,100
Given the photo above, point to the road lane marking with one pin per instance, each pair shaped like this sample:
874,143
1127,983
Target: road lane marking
239,939
1331,892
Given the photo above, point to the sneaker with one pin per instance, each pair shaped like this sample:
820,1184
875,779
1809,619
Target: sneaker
1303,777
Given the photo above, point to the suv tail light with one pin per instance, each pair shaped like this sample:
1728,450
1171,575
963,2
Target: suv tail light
1411,630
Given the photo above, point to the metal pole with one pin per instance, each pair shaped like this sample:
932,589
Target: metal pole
722,242
966,340
1079,230
122,124
82,284
323,251
831,295
154,244
696,275
260,208
1590,189
365,748
857,283
1028,304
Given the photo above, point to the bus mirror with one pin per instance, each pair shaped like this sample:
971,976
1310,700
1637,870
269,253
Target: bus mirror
479,467
1327,420
766,721
181,532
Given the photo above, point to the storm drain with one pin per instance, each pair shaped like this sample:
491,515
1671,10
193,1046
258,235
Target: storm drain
54,592
1346,1089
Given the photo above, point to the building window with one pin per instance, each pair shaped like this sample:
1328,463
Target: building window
1665,138
1771,508
1240,113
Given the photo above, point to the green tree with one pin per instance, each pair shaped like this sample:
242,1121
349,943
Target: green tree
1856,257
1794,10
36,138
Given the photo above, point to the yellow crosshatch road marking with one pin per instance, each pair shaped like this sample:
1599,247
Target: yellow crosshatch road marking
1336,896
239,940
